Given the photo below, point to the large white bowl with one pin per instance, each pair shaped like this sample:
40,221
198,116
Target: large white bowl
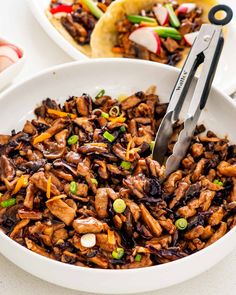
117,77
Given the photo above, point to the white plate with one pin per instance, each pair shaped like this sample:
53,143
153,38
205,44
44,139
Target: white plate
75,79
225,78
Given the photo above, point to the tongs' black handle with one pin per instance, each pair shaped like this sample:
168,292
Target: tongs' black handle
211,73
220,22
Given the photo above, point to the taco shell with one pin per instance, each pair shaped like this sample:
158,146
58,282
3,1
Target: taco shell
104,36
85,49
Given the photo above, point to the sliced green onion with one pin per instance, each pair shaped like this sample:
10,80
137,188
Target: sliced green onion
167,32
73,187
137,19
100,94
94,181
181,223
73,139
118,253
122,129
108,136
119,206
104,115
97,12
138,257
174,21
125,165
8,203
152,144
114,111
218,182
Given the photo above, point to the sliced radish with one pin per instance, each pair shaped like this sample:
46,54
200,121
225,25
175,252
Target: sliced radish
9,52
5,62
147,38
190,38
17,50
161,14
186,8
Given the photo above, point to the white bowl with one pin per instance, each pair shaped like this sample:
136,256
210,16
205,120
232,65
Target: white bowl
10,73
117,76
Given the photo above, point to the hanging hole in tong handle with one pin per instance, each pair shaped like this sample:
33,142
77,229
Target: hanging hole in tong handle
218,8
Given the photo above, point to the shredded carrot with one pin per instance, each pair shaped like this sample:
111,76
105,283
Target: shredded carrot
147,24
48,193
61,114
102,6
56,198
128,150
117,49
119,119
43,136
111,237
85,7
21,182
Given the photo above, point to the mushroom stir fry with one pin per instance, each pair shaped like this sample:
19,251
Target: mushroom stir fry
78,185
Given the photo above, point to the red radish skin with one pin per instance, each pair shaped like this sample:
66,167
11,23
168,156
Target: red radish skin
190,38
161,14
17,50
186,8
147,38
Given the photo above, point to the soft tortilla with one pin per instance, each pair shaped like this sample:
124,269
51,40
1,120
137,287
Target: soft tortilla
85,49
104,36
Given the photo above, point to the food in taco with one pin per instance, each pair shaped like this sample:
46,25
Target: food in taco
76,19
155,30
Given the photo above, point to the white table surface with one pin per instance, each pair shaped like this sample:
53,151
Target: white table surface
18,25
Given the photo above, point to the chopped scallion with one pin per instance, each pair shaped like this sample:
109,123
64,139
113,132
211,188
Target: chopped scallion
216,181
118,253
119,206
181,223
100,94
73,187
8,203
138,19
104,115
108,136
125,165
73,139
174,21
138,258
122,129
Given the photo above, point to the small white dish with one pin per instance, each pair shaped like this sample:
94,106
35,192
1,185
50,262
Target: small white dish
116,76
224,80
8,75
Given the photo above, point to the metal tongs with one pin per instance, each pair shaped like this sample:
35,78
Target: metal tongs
206,50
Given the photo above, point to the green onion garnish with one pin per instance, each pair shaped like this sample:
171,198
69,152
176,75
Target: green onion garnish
216,181
119,206
100,94
8,203
97,12
122,129
73,187
125,165
138,257
94,181
104,115
118,253
108,136
181,223
73,139
137,19
114,111
152,144
165,32
174,21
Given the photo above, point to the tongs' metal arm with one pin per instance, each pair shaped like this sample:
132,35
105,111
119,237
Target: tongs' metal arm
195,58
